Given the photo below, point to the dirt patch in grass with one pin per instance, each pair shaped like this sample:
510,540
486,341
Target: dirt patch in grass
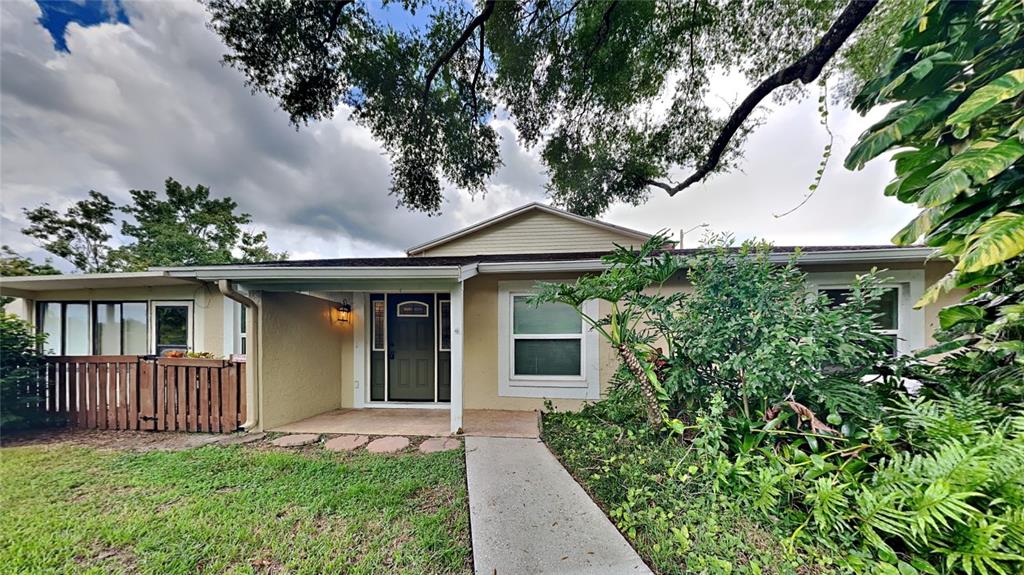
435,497
137,441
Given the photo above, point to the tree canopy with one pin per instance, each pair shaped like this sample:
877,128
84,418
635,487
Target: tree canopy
184,227
617,94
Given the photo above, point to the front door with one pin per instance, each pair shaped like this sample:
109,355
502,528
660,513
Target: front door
411,347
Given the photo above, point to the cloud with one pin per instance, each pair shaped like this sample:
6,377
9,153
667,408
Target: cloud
132,103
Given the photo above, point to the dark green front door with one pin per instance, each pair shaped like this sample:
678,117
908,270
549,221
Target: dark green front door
411,347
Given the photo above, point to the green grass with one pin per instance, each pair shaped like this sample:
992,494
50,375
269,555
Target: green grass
231,510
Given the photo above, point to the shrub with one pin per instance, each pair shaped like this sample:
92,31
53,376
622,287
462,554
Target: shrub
21,366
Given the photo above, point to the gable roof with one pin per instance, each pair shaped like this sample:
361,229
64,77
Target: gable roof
534,206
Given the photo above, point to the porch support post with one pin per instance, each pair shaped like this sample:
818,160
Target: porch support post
457,355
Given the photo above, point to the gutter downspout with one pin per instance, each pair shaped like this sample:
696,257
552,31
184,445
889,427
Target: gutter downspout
252,334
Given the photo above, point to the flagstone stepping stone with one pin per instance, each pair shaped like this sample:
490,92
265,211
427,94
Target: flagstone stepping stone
435,444
346,442
295,440
241,438
389,444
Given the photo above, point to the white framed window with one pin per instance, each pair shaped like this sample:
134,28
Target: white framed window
379,325
545,350
412,309
897,319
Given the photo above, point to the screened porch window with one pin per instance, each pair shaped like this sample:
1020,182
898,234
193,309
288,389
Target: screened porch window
547,340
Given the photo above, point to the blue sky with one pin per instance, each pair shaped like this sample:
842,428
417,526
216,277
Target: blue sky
57,14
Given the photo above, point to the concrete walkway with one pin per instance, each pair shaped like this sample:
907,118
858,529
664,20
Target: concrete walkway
528,515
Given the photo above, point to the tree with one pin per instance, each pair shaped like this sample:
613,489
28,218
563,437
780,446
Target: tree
80,235
190,228
12,264
956,81
617,92
186,227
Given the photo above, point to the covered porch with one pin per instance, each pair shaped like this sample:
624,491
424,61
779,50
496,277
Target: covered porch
369,350
424,422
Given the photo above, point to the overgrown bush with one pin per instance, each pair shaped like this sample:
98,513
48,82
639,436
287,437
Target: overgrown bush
780,406
21,367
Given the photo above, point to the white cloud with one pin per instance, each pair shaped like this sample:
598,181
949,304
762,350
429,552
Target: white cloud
133,104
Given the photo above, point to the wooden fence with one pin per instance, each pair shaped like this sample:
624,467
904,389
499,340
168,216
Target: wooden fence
143,393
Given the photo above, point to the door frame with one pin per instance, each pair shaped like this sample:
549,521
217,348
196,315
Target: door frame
153,304
364,397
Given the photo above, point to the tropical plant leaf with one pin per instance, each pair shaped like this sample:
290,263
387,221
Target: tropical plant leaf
950,316
900,124
997,240
1007,86
944,189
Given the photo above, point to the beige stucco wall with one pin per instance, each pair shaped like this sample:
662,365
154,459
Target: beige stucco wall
207,307
534,232
481,332
301,362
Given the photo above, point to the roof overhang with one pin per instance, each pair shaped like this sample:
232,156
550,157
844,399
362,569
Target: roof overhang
880,256
27,286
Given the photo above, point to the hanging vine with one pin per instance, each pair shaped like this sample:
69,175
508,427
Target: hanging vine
825,156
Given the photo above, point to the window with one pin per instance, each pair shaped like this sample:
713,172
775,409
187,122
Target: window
172,326
119,328
379,325
886,310
66,325
546,350
444,312
413,309
242,322
547,339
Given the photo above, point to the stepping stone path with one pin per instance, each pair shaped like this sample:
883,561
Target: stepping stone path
346,442
435,444
295,440
388,444
241,438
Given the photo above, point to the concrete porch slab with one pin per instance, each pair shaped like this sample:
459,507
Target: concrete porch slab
428,422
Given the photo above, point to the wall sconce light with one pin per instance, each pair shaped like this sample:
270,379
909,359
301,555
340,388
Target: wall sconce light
342,312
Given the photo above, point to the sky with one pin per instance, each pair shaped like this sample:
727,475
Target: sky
118,95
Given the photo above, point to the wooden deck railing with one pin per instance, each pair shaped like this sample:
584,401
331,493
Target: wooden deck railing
132,392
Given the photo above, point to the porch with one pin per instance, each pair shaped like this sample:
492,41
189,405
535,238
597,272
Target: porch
429,422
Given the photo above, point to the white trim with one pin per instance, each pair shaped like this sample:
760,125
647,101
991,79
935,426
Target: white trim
360,356
911,323
320,272
519,211
584,386
190,304
456,402
387,359
437,343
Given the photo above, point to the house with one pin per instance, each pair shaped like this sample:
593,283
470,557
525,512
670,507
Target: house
446,327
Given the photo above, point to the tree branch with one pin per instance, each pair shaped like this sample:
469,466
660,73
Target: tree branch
476,74
467,33
806,69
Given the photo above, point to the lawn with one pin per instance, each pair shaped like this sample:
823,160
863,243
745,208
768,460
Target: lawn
69,509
